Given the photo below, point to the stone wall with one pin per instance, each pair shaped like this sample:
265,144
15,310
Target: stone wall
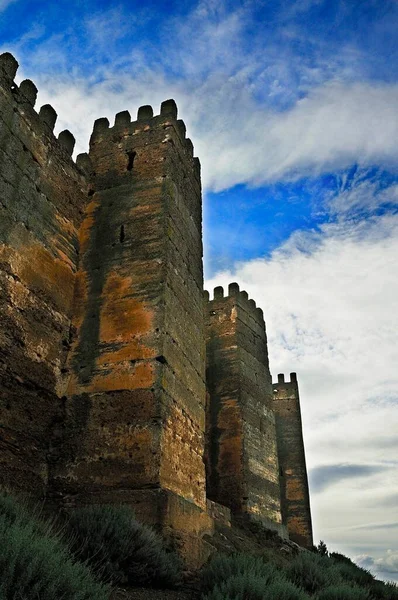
241,453
42,196
296,512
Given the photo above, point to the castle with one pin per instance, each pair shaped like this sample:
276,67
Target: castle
121,381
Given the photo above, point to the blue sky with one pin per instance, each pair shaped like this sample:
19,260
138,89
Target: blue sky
292,109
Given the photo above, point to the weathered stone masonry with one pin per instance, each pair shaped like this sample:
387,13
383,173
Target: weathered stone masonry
42,197
102,331
242,459
295,496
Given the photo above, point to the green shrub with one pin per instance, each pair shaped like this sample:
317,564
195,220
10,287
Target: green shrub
35,566
312,572
16,511
120,549
343,592
353,573
284,590
222,567
336,556
380,590
251,587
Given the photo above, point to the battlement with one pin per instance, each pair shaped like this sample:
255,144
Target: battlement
235,296
146,123
24,97
282,383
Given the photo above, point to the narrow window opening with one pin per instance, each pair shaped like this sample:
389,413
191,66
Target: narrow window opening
281,471
131,156
122,234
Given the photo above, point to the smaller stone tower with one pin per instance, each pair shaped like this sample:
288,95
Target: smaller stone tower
241,454
296,512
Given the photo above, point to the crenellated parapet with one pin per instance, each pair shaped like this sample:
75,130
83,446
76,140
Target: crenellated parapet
235,295
147,122
24,99
241,453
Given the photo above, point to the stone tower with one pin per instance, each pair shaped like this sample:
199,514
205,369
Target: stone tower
135,391
241,454
296,512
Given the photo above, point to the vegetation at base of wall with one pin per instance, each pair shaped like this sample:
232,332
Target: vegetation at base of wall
251,587
312,572
35,564
222,567
122,550
309,575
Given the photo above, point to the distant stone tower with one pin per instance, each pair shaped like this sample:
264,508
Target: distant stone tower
135,408
296,512
241,453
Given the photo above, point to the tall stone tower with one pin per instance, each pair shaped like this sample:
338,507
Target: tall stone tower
296,512
241,454
135,391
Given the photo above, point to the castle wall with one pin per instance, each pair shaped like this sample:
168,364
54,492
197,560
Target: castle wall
241,453
102,335
42,193
296,511
136,392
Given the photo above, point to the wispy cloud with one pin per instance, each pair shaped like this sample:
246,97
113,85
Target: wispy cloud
324,476
385,565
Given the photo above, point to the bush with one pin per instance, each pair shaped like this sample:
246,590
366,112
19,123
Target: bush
222,567
384,591
312,572
284,590
33,565
336,556
343,592
120,549
251,587
17,511
353,573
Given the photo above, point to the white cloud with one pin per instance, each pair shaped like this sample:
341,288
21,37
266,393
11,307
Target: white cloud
386,564
255,114
330,303
335,125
